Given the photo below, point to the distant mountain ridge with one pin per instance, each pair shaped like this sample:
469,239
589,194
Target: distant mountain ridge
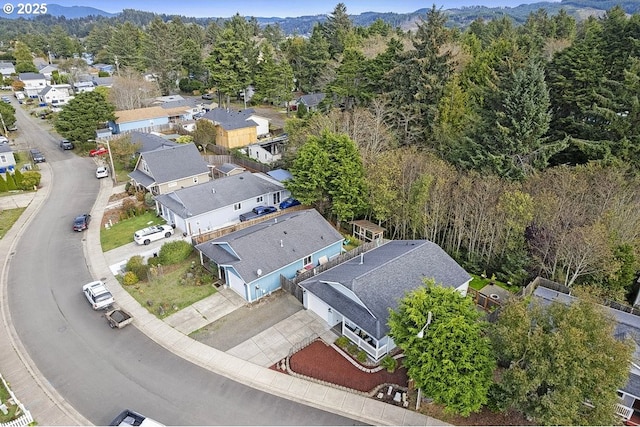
460,17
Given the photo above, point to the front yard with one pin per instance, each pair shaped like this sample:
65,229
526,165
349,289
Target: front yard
170,288
7,218
121,232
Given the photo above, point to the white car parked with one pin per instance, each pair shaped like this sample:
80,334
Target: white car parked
98,295
153,233
102,172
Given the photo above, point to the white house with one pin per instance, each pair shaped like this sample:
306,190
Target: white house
56,95
267,151
85,86
7,160
7,69
34,83
218,203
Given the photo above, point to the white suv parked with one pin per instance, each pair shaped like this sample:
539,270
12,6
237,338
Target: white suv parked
153,233
98,295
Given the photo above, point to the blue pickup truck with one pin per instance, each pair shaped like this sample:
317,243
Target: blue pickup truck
258,211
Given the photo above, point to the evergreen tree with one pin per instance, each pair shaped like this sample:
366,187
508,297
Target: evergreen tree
125,47
11,182
24,59
17,177
162,50
349,89
3,184
446,351
228,67
337,29
81,117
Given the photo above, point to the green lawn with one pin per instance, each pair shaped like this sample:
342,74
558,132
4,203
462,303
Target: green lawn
122,233
174,288
478,282
4,397
7,218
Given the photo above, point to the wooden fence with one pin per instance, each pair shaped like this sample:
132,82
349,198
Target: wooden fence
214,234
291,285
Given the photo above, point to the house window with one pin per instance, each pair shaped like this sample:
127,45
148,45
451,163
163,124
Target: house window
259,199
307,260
237,206
3,158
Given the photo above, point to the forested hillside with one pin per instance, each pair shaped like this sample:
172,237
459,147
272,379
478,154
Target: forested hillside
514,147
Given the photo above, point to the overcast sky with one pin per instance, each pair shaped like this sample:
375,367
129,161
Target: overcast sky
277,8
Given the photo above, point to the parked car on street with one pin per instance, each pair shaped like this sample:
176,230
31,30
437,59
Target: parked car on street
98,152
102,172
65,144
208,96
81,222
131,418
98,295
152,233
4,140
37,156
288,202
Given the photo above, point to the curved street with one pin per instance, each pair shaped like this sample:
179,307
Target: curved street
96,370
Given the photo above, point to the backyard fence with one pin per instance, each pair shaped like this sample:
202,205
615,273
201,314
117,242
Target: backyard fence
25,419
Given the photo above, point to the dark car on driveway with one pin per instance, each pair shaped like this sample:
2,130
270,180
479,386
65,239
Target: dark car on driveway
65,144
81,222
289,202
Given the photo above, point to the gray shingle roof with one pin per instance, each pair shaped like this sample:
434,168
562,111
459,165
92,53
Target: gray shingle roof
230,119
31,76
5,148
216,194
381,277
270,245
173,163
191,103
311,99
149,141
228,167
141,178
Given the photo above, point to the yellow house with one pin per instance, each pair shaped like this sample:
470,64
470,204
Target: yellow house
235,129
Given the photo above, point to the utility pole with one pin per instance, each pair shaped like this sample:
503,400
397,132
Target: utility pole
4,127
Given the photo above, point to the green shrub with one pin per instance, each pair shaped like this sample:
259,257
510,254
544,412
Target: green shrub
361,356
174,252
30,179
389,363
342,341
17,176
130,278
11,183
149,200
3,185
137,266
154,262
352,348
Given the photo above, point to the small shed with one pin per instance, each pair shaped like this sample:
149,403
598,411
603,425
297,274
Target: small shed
367,231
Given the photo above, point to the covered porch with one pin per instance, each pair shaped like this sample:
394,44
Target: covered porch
376,349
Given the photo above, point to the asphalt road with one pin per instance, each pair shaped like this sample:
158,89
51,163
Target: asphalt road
101,371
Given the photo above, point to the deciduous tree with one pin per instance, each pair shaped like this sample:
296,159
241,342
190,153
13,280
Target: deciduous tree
562,363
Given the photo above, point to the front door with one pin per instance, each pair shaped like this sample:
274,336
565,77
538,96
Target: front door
276,198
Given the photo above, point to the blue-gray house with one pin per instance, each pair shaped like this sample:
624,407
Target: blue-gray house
250,261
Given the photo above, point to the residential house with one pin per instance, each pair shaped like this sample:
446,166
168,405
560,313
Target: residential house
56,95
359,293
48,70
83,86
627,325
140,119
34,83
267,151
7,160
103,81
218,203
149,141
227,169
7,69
235,129
311,101
181,110
104,68
165,170
250,261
